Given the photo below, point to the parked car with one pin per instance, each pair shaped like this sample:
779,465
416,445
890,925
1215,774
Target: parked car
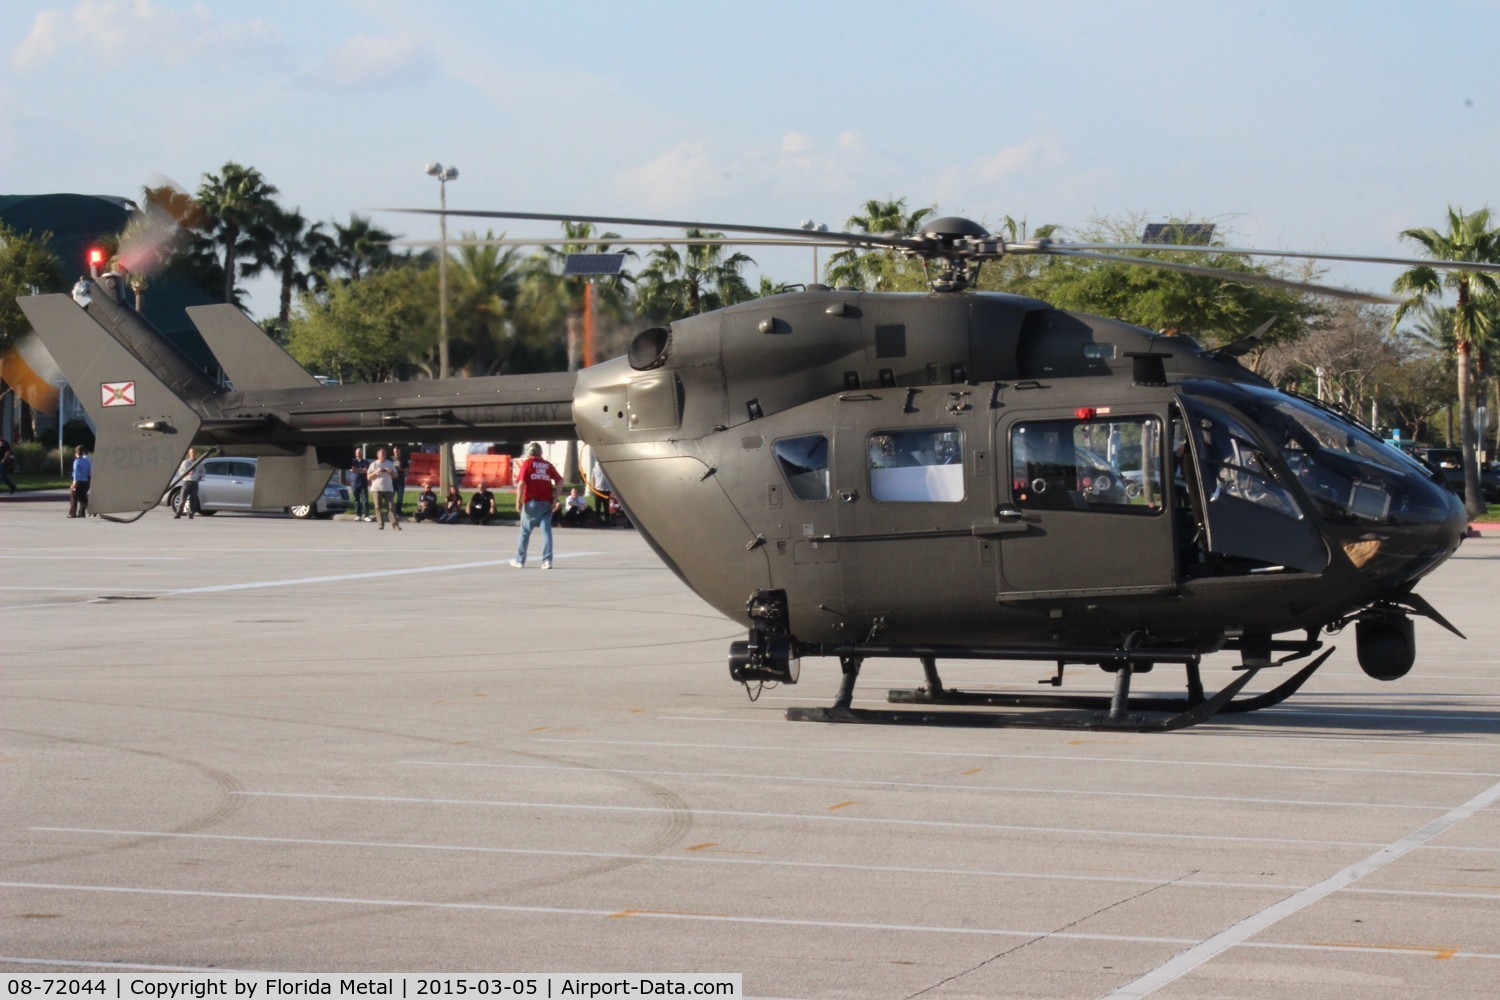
229,483
1450,462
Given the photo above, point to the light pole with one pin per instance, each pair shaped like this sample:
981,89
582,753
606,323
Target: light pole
443,175
814,227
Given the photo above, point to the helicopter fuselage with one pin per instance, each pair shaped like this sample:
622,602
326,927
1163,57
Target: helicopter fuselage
985,470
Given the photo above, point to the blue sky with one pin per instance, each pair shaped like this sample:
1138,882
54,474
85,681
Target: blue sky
1325,126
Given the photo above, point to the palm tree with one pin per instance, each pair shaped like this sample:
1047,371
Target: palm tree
234,200
698,279
486,281
360,246
283,241
548,296
1468,238
874,269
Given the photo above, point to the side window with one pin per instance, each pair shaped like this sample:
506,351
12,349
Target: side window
1108,465
804,463
917,465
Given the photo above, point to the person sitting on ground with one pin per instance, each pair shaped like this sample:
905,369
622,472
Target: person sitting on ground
572,510
453,507
427,504
482,505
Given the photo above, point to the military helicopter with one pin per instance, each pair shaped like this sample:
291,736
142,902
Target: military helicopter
954,475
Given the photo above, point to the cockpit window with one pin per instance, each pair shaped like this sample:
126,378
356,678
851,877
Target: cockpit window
1234,465
1349,474
804,463
917,465
1112,465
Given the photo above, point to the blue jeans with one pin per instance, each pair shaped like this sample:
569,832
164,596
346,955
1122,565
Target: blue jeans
535,512
361,495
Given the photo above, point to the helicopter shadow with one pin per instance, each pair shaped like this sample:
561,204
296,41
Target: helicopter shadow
1354,716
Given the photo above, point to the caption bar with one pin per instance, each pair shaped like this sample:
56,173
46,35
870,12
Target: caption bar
280,986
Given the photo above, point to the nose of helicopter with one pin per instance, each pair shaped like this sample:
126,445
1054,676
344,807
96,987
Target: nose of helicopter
1425,525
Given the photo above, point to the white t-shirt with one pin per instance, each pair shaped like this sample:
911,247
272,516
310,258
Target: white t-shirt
381,475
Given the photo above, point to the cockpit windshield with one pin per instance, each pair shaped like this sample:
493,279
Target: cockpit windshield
1349,474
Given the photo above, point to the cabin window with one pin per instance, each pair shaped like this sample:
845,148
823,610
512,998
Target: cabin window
804,463
1106,465
917,465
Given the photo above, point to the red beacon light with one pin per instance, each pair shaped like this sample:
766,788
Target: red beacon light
96,260
1085,413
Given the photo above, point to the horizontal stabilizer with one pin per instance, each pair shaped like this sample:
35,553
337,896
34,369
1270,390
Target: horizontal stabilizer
249,358
142,429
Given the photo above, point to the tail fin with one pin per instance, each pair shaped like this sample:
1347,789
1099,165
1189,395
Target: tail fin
251,359
142,427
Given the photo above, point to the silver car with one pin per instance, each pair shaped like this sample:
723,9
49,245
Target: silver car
229,483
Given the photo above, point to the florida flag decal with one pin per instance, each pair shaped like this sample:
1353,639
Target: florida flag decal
118,393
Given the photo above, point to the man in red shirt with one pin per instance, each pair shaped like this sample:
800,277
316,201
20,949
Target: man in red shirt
534,502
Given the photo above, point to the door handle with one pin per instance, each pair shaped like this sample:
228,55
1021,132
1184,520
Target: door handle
1008,521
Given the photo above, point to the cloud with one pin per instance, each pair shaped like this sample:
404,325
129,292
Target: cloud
378,61
681,176
796,142
106,34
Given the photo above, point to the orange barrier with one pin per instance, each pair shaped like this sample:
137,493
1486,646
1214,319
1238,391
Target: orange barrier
495,470
424,469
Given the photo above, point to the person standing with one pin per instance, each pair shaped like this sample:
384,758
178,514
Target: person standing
401,463
359,484
189,474
7,463
534,497
382,473
600,488
78,493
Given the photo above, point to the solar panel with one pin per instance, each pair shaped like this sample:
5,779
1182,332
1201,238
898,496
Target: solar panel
1181,233
594,263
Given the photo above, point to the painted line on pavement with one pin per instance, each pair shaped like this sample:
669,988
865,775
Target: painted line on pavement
986,755
887,783
1181,965
806,818
716,859
717,918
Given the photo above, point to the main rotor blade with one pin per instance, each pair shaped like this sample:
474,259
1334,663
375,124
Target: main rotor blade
803,235
1221,274
1303,254
619,241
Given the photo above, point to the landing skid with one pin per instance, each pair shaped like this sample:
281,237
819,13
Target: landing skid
1116,713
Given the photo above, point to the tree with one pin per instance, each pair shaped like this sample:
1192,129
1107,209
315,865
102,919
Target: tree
1469,238
232,201
359,247
698,278
549,297
1215,310
368,330
283,242
879,270
484,283
1345,358
26,267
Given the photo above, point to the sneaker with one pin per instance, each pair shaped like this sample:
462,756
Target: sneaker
546,564
517,564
